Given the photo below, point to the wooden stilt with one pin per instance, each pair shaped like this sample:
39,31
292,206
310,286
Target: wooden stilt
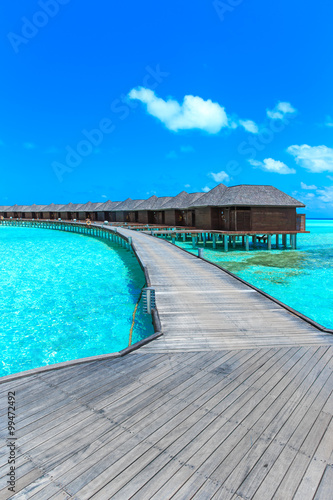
225,242
247,242
214,241
269,242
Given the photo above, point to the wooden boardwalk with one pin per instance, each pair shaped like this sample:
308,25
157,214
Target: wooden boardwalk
233,402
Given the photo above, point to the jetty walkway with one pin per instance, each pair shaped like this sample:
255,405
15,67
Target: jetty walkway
232,402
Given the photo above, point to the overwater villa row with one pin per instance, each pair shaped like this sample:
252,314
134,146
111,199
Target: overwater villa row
236,208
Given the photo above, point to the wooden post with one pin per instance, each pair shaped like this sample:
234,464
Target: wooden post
225,242
184,237
269,242
284,240
204,239
173,238
193,241
247,242
214,241
233,241
243,240
277,240
293,241
254,241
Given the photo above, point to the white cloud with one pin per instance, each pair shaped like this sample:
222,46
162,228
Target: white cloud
187,149
330,177
315,159
220,176
280,110
103,196
249,125
329,121
206,189
193,113
172,155
326,194
187,185
305,186
274,166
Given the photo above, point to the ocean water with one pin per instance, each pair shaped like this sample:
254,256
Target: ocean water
302,278
65,296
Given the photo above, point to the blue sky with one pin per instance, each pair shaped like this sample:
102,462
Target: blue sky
107,100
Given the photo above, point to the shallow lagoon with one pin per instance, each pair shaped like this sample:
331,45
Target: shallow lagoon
65,296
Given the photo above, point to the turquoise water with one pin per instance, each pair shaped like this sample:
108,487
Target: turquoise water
65,296
302,278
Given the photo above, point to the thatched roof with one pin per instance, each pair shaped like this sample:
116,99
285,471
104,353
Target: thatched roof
108,206
3,208
175,200
153,203
70,207
16,208
247,195
89,207
182,201
128,205
213,197
51,208
33,208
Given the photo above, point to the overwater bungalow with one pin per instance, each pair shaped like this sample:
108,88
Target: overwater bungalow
33,212
3,211
70,211
125,211
177,212
51,211
105,212
151,211
15,211
243,208
88,211
248,208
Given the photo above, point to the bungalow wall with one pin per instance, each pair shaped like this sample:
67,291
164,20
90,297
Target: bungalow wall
203,218
273,219
101,216
170,217
132,217
87,215
143,216
120,217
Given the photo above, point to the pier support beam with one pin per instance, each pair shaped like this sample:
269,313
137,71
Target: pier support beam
214,241
184,237
293,241
233,241
173,239
254,241
284,240
247,242
193,241
204,239
225,242
269,242
277,240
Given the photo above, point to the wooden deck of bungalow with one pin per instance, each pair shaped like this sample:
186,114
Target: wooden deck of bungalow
232,402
